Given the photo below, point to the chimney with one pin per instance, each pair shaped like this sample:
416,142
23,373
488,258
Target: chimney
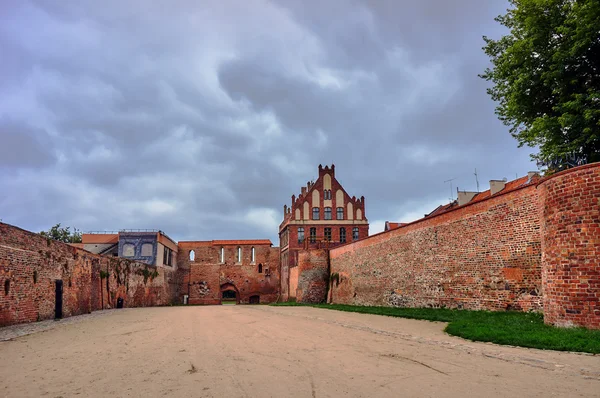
465,197
496,186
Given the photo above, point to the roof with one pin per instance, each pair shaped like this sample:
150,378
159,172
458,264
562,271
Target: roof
393,225
509,186
226,242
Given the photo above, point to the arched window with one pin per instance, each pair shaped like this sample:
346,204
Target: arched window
300,234
192,255
252,254
239,254
328,213
222,255
340,213
260,268
315,215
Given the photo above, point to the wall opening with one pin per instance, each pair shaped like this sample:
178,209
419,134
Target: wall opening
254,299
6,287
260,269
192,255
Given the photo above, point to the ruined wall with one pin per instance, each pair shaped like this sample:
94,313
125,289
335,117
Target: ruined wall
483,256
30,265
570,213
313,276
206,274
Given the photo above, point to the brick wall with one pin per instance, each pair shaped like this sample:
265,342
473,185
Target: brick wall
30,265
484,256
570,213
206,275
313,276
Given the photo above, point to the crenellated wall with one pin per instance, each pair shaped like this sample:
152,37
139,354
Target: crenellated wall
570,214
30,265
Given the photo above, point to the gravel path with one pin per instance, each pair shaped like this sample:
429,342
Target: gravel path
261,351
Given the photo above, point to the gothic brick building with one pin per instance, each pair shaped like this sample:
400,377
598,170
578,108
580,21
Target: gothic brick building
245,271
322,216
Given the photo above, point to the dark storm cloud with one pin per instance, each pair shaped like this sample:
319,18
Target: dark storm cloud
203,120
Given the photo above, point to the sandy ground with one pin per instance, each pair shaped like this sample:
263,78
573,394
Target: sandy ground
261,351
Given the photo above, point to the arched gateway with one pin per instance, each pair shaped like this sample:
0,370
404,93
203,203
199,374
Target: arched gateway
229,294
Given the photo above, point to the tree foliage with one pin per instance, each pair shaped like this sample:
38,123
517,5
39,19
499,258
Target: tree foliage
546,76
62,234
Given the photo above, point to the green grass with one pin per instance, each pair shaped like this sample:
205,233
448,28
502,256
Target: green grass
508,328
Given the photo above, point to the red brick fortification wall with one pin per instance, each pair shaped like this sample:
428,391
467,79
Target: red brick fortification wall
313,276
570,211
30,265
484,256
205,275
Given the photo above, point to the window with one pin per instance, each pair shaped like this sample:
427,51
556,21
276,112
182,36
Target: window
192,255
147,250
328,234
168,257
327,194
300,235
128,250
313,235
328,213
340,213
239,254
355,233
260,268
315,213
343,235
222,255
252,255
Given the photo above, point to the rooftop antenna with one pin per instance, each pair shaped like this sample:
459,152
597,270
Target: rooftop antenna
451,190
477,180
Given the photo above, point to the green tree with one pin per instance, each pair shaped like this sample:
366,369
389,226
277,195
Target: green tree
546,76
62,234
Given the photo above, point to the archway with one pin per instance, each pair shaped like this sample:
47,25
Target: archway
229,294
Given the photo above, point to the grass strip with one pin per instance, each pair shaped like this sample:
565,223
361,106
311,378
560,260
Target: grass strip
508,328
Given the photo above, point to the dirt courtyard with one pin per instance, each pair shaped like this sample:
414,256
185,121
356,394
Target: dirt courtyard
261,351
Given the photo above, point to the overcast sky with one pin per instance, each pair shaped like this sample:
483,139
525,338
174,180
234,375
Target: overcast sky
203,118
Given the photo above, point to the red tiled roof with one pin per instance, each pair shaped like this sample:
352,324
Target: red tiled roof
243,242
226,242
393,225
510,185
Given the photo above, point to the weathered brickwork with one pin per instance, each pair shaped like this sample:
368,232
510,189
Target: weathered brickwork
323,215
30,265
206,277
313,276
484,256
570,213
